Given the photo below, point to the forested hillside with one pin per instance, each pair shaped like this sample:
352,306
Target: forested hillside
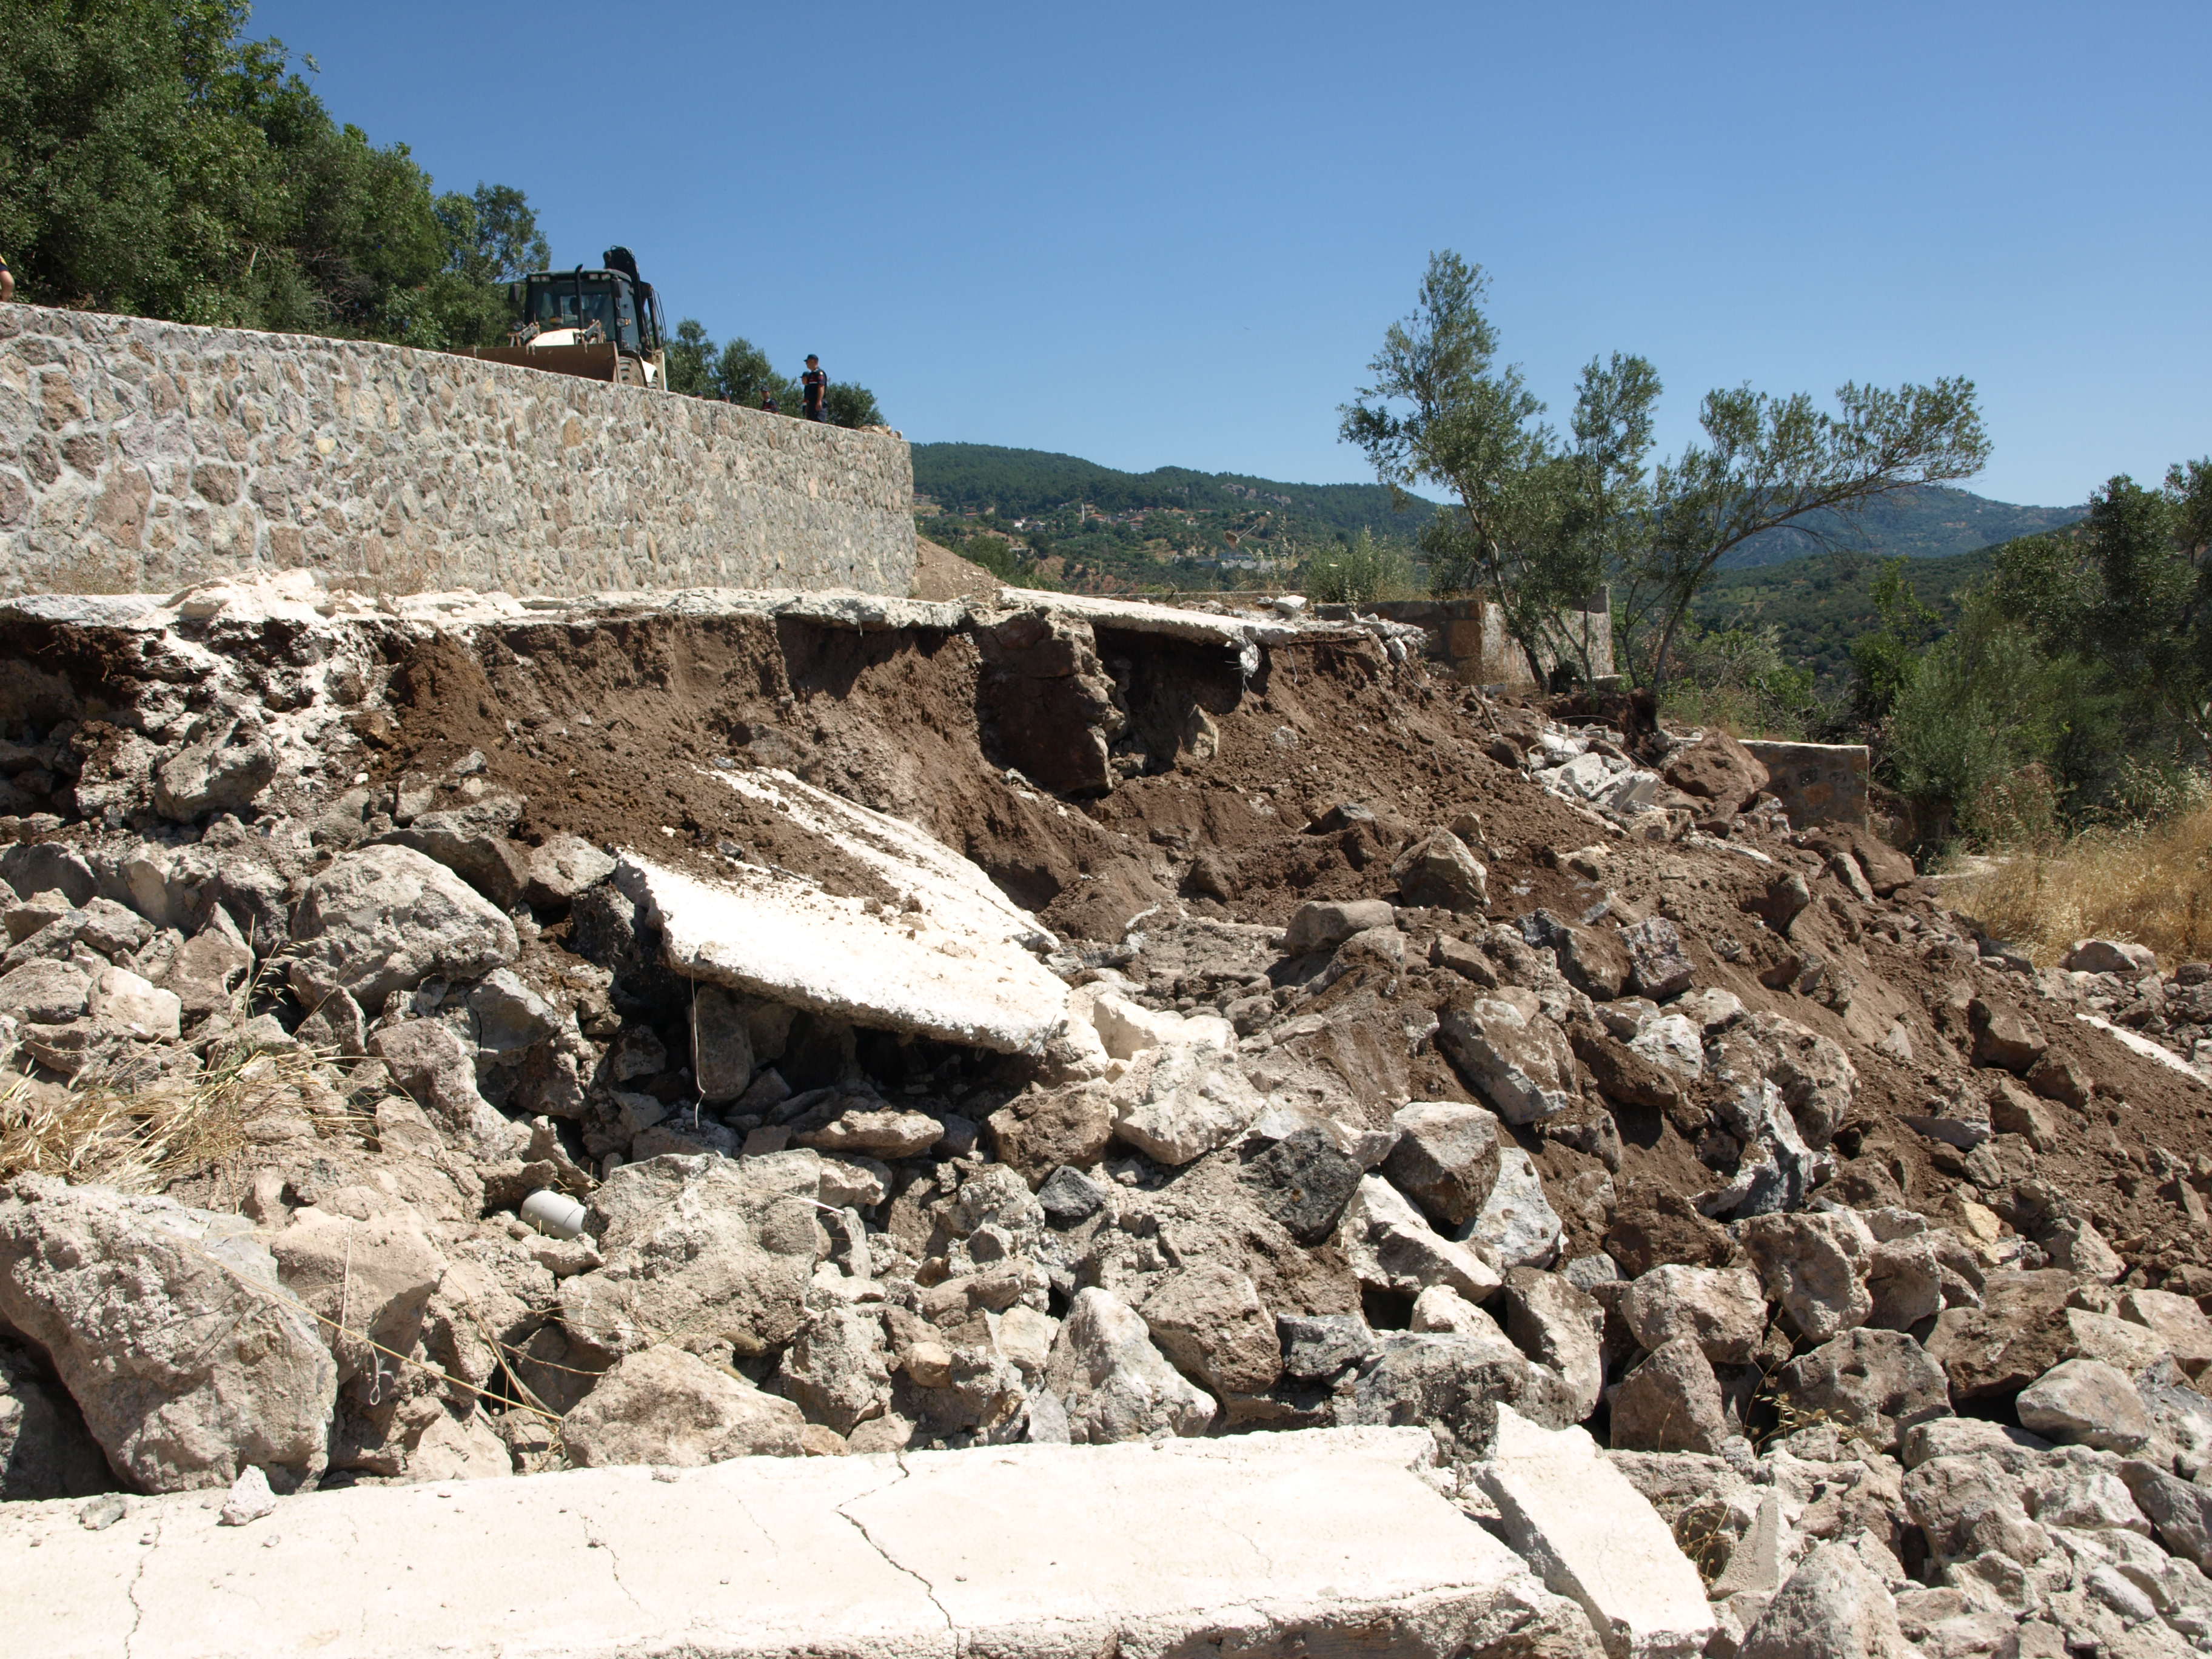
1817,606
1094,525
1931,522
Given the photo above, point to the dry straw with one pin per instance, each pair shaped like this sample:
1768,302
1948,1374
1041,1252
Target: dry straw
2150,886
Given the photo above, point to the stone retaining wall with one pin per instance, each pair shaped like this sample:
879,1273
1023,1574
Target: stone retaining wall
141,456
1816,782
1470,637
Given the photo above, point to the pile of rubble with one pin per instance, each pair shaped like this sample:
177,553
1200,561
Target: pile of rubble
518,1035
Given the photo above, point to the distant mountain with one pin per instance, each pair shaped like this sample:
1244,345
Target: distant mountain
1933,523
1028,483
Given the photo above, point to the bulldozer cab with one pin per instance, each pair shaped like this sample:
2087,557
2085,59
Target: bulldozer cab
599,305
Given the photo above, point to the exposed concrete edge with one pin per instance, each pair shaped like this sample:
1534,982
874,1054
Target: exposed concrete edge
2136,1042
1317,1541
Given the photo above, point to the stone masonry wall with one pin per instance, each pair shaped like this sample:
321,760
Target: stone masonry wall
142,456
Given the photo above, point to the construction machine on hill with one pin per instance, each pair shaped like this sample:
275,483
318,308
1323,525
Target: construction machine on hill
602,324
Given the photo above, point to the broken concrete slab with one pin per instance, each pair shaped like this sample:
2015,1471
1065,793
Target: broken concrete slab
1280,1544
1593,1537
776,935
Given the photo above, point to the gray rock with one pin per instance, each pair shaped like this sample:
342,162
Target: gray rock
207,973
1721,1309
511,1018
472,840
1970,1436
1671,1402
1815,1266
336,1028
2180,1510
169,1329
384,919
1515,1056
1114,1384
1323,926
1559,1327
1832,1608
374,1279
2085,1402
1069,1196
837,1368
698,1248
2078,1247
2178,1413
1446,1159
1658,965
1876,1384
662,1404
44,1451
1392,1247
1305,1181
722,1043
1452,1385
212,776
1180,1101
100,925
1965,1505
1208,1321
431,1064
2084,1491
1320,1348
561,868
1516,1227
2106,956
1440,872
42,867
45,992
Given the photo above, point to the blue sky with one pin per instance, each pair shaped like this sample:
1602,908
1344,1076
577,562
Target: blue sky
1155,234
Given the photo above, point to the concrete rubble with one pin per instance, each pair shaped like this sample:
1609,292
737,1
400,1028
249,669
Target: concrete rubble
465,1103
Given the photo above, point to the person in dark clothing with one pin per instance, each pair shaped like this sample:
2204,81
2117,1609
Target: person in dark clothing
816,385
768,402
7,280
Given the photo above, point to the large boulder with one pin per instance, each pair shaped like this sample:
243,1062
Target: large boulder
698,1248
385,919
1114,1384
1304,1181
370,1280
1517,1226
1208,1319
1716,768
1671,1402
2085,1402
662,1404
1445,1159
188,1360
1515,1057
837,1368
1561,1328
1440,872
1815,1266
1832,1608
440,1072
1180,1101
1721,1309
1393,1247
1876,1384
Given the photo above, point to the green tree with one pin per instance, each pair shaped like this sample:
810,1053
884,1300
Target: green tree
847,403
691,360
1768,463
1534,522
1884,659
154,161
2131,590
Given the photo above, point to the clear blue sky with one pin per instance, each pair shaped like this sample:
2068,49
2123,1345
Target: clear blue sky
1155,234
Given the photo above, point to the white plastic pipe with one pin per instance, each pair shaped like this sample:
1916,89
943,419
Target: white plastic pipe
554,1215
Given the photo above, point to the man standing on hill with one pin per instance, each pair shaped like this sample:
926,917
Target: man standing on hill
816,387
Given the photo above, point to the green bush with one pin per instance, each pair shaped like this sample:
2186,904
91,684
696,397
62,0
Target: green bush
1357,574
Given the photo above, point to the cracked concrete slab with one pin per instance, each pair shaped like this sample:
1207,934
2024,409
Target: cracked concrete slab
1270,1544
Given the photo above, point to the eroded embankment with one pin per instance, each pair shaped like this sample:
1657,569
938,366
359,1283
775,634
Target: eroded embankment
1043,1019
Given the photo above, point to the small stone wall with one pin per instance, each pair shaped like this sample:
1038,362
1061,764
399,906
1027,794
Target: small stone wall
142,456
1816,782
1470,636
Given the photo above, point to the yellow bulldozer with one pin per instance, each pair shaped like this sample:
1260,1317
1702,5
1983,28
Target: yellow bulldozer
603,325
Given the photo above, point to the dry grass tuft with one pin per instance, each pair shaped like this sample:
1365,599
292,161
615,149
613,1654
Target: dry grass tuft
2150,886
142,1137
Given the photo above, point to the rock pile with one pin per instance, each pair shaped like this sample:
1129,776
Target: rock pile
1550,1095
